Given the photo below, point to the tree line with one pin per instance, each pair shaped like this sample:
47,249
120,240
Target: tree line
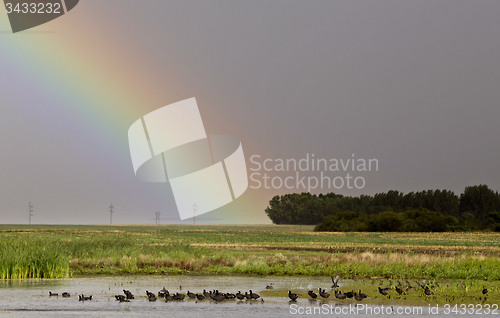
477,208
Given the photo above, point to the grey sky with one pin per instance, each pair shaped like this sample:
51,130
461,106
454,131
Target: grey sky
414,84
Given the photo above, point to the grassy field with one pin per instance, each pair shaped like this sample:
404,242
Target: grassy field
64,251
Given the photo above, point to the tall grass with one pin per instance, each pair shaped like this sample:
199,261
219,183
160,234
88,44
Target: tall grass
32,258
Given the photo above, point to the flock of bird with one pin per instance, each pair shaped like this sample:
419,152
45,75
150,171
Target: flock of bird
165,294
220,296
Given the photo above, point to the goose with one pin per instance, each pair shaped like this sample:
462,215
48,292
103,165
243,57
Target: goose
206,294
200,297
168,297
149,294
358,297
270,286
335,281
323,293
485,291
312,294
191,295
339,295
151,297
254,295
120,297
384,291
52,294
349,294
427,291
293,297
248,296
239,295
230,296
66,294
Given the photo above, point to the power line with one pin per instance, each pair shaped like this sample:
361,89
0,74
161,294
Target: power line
111,214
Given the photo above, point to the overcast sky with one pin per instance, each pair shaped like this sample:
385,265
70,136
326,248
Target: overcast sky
413,84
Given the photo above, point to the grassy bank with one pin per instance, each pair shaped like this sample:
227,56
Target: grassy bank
62,251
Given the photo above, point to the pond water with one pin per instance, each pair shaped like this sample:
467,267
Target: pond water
30,298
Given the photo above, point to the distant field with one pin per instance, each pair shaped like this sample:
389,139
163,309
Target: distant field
62,251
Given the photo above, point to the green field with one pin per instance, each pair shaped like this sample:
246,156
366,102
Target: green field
65,251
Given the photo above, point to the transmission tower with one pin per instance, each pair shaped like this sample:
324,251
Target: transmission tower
111,213
195,209
30,213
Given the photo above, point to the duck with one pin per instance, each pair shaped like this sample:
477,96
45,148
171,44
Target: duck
293,297
270,286
323,293
52,294
335,281
66,294
384,291
254,295
312,294
191,295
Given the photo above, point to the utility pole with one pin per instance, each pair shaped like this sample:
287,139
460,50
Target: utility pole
195,209
157,217
30,213
111,214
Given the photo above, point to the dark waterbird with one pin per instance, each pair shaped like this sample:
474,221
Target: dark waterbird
293,297
399,290
206,294
66,294
179,296
312,294
120,297
128,294
485,291
427,291
384,291
361,294
151,297
149,294
191,295
240,296
52,294
254,295
339,295
230,296
168,297
323,293
335,281
349,294
358,297
200,297
83,298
